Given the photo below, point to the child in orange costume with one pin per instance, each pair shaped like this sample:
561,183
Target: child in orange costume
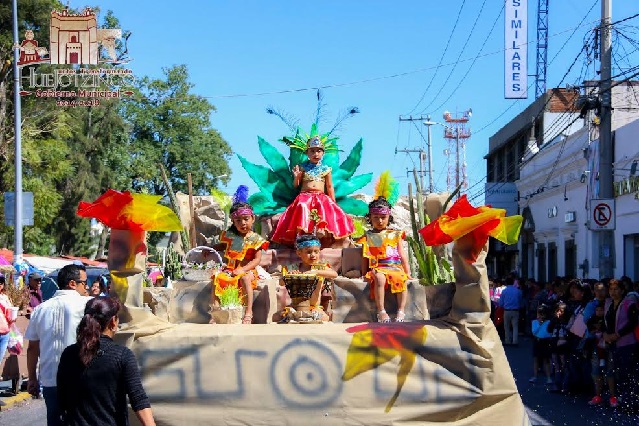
243,253
308,249
387,261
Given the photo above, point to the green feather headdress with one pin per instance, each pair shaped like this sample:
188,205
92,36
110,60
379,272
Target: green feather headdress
387,187
301,140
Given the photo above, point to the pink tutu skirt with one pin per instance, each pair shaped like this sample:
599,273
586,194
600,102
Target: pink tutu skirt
298,217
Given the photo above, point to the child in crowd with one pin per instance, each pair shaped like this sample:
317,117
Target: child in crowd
308,249
560,348
313,210
601,362
542,344
242,252
387,261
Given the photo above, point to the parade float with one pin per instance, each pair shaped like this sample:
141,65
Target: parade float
444,367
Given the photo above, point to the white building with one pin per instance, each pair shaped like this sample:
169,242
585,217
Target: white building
557,186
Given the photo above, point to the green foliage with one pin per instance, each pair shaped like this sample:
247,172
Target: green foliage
230,297
276,181
173,265
431,269
170,125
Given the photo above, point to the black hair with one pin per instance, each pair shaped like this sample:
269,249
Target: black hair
376,203
235,207
97,314
69,273
305,237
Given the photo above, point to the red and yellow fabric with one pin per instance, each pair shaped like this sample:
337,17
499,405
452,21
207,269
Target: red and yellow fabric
133,212
381,250
478,223
238,249
301,216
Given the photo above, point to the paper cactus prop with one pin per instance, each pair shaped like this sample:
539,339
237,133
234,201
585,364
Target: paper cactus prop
276,182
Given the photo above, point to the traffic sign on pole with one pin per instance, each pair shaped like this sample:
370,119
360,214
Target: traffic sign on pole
27,208
602,215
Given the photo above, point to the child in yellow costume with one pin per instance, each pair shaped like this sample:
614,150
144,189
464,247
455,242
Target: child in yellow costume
243,253
387,260
308,249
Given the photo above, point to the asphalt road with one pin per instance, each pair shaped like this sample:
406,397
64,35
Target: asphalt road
544,408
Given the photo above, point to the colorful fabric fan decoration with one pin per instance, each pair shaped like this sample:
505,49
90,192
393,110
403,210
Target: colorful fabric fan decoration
133,212
478,222
387,187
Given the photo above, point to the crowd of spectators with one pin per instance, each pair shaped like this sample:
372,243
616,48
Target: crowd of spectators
585,334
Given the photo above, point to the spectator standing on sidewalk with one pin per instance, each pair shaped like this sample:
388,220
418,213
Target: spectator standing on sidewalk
621,321
34,280
542,345
51,329
95,375
511,300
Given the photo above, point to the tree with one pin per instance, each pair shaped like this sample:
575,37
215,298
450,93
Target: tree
171,126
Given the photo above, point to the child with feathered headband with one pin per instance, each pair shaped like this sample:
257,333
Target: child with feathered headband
313,210
387,260
242,252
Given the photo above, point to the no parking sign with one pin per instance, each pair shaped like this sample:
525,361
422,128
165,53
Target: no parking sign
602,215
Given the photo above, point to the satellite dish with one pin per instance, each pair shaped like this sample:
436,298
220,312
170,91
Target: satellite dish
470,112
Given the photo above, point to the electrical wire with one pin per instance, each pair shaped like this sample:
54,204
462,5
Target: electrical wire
454,67
441,59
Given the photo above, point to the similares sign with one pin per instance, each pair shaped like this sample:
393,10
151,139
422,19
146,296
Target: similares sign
516,49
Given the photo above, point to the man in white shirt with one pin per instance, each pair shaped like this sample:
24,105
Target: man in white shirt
52,328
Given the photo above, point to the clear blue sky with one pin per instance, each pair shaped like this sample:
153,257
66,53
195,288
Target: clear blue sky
249,47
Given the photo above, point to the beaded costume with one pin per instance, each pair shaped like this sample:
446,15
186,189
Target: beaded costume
381,250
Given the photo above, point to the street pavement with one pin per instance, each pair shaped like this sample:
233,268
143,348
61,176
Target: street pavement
551,409
544,408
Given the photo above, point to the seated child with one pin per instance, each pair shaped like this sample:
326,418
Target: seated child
314,209
387,260
242,252
308,249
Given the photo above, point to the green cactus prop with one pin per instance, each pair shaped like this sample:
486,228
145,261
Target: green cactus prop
431,269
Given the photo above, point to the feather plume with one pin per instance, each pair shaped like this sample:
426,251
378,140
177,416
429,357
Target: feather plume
387,187
241,194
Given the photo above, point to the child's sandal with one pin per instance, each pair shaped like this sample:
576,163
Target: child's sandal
248,319
400,316
382,317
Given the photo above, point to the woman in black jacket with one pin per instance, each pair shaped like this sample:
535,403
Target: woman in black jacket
95,375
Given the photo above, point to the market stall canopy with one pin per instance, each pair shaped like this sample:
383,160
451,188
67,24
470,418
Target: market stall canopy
47,264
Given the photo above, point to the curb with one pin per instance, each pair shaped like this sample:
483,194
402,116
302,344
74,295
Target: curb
7,402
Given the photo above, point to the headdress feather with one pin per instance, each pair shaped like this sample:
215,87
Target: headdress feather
241,194
387,187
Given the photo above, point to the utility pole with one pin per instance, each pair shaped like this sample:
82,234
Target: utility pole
421,164
430,155
17,250
422,154
606,190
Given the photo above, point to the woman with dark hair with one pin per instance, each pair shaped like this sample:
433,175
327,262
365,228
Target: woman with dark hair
620,323
96,375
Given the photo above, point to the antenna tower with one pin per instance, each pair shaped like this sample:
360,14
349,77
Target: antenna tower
542,48
456,133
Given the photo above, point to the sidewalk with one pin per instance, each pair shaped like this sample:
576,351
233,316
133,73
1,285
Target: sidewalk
7,398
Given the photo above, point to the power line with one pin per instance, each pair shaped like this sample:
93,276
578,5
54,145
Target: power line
453,68
441,59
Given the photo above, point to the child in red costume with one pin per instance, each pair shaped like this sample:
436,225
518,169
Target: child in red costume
314,210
